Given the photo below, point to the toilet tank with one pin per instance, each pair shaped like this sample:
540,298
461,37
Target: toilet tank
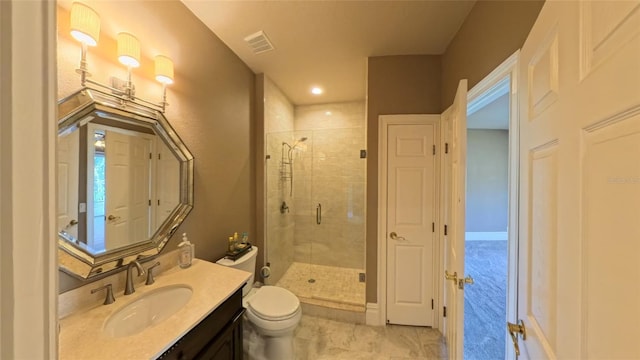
246,262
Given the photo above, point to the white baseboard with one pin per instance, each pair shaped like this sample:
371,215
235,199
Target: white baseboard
373,315
488,235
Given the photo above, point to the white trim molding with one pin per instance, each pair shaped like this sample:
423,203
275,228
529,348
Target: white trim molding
28,250
508,69
373,315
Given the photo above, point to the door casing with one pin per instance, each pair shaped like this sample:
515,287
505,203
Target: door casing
509,67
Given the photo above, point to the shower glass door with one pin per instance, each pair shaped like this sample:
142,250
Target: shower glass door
316,214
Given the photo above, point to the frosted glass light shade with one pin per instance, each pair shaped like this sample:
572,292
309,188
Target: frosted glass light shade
128,50
164,69
85,24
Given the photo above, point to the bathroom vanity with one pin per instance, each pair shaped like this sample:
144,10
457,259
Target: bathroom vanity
208,325
219,336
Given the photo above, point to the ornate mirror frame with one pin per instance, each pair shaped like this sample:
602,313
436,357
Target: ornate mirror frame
76,110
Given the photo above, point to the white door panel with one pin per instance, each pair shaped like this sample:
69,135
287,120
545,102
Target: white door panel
580,145
139,183
127,182
456,120
117,173
68,182
411,192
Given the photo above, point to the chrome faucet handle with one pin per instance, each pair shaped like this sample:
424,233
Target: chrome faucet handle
129,288
109,299
150,278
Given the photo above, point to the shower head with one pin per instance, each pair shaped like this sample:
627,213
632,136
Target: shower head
295,143
302,139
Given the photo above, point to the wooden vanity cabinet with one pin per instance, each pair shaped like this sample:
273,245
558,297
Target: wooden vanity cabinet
217,337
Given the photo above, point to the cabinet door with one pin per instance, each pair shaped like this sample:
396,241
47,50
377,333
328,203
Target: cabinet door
208,339
227,345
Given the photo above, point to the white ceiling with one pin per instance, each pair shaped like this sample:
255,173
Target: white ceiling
326,43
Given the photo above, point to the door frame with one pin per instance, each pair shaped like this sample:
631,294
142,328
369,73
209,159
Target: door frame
479,93
383,122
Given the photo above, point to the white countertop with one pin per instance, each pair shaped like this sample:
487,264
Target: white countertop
81,335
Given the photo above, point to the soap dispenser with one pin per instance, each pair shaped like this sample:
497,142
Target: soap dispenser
186,252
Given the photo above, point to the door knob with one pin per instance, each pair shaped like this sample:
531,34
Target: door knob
453,276
112,218
514,330
71,223
395,236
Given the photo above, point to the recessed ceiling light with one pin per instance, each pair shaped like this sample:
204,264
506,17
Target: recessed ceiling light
328,113
316,90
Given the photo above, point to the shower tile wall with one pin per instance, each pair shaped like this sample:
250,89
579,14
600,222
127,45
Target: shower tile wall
330,173
279,126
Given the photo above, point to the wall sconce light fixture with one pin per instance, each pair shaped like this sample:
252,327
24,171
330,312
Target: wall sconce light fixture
164,75
85,27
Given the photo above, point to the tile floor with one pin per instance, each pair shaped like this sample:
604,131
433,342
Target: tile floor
340,286
319,338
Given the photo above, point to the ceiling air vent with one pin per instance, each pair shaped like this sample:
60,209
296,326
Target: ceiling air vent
259,42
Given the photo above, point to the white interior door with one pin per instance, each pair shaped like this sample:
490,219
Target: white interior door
411,193
118,204
140,214
456,118
128,193
578,294
167,182
68,182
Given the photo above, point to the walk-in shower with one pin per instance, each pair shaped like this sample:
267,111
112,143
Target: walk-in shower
316,245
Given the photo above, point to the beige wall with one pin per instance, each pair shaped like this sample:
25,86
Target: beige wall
492,32
211,105
426,84
395,85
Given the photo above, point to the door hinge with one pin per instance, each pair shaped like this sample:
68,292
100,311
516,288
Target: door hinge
444,311
159,156
434,149
150,156
433,227
445,230
431,304
158,202
149,202
446,148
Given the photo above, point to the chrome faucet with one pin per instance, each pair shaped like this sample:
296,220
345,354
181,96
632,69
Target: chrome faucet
129,289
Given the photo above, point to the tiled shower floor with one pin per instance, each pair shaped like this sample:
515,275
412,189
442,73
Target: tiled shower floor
334,287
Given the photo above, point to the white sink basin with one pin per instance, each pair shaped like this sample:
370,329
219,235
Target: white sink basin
148,310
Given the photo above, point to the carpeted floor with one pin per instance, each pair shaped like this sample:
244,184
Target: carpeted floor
485,301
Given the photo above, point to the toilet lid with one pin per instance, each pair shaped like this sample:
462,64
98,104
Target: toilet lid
274,303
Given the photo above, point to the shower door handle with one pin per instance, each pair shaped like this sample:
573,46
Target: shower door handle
319,214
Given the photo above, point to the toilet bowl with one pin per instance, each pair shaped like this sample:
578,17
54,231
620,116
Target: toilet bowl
273,312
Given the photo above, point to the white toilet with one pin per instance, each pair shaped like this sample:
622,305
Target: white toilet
273,311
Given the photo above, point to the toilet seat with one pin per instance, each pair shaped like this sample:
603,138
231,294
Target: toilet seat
274,303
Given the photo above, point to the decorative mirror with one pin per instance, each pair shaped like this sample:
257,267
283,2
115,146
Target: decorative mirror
125,182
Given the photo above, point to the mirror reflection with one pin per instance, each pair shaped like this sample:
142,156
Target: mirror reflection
125,182
132,185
